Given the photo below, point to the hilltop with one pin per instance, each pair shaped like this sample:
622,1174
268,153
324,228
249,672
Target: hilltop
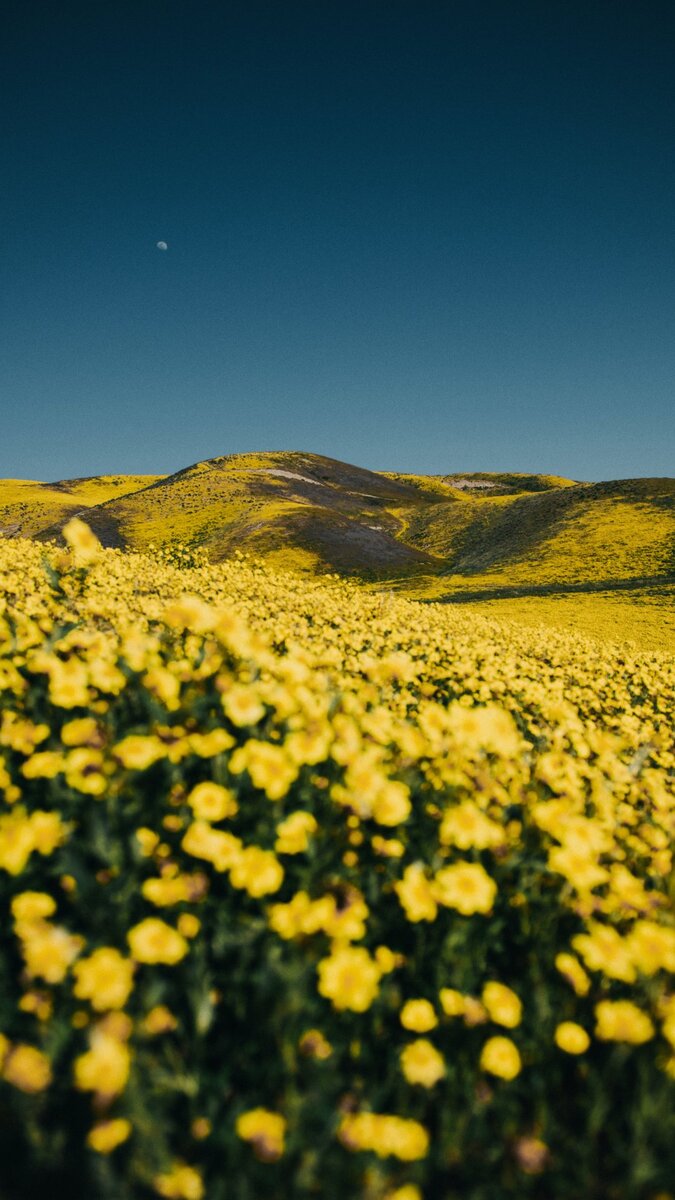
495,537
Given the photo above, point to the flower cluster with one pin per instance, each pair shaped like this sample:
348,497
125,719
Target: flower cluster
311,893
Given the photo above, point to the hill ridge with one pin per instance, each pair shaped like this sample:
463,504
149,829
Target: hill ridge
434,536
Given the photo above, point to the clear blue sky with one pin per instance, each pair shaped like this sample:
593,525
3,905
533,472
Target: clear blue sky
412,235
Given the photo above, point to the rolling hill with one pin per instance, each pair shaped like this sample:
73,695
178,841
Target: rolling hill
28,507
483,537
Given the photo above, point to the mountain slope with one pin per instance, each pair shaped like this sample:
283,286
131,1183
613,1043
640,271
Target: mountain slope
309,510
448,536
27,507
603,532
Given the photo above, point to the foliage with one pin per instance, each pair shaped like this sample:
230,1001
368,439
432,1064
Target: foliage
314,893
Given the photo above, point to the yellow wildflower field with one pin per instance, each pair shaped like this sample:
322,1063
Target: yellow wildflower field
313,892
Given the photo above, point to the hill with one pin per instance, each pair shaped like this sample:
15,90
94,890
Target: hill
503,538
308,511
28,507
316,512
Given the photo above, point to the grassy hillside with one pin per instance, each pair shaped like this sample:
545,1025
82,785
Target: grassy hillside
517,539
603,532
27,507
314,512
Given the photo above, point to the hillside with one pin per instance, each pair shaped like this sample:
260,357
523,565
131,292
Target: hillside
28,507
308,511
602,533
314,512
501,538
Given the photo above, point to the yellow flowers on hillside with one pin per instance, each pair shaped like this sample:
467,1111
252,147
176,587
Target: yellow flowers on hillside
265,1131
310,892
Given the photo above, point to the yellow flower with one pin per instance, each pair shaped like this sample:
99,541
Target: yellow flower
189,925
163,684
257,871
271,769
137,752
48,831
298,916
572,1038
294,832
104,1068
391,804
243,706
502,1004
190,612
409,1191
48,950
37,1002
651,947
489,728
466,887
208,745
17,841
416,894
265,1130
422,1063
314,1044
160,1019
46,765
622,1021
108,1135
211,802
466,827
345,921
500,1057
153,941
148,840
603,949
180,1183
80,732
474,1012
418,1016
453,1003
579,865
167,891
105,979
571,969
216,846
27,1069
115,1025
385,1135
68,683
387,847
84,545
349,978
31,906
387,960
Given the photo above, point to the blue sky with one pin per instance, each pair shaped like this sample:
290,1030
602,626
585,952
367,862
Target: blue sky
416,236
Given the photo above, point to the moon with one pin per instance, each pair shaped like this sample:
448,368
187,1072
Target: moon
162,246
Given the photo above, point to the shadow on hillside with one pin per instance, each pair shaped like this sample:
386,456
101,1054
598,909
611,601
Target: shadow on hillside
656,582
499,535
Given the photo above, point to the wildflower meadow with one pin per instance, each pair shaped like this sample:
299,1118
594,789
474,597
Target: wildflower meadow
312,892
